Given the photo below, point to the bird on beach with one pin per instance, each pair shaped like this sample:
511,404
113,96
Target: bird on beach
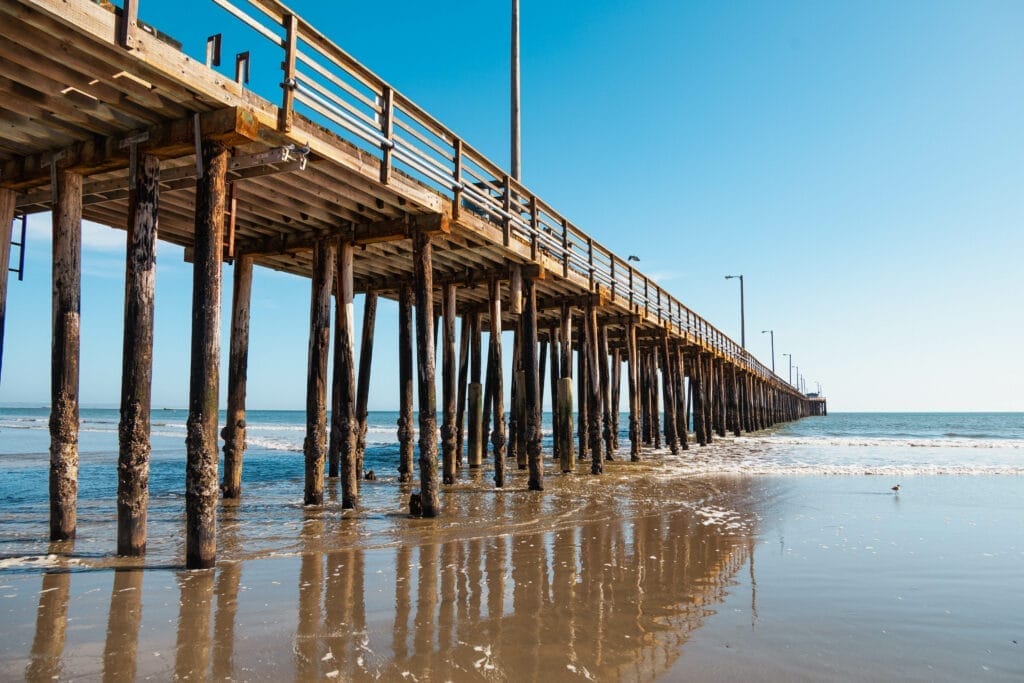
896,488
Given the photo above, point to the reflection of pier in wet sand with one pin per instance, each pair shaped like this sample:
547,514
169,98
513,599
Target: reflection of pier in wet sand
612,597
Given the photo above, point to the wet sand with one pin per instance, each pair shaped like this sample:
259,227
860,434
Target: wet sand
637,575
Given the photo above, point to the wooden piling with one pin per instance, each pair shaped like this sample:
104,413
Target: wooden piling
363,383
460,402
652,374
668,392
67,288
566,452
555,375
532,386
567,460
405,430
494,368
697,399
616,396
734,403
632,371
682,409
448,388
518,440
606,392
594,385
475,433
315,445
723,399
643,390
485,422
583,389
343,410
7,203
238,361
423,290
201,443
137,358
708,396
515,451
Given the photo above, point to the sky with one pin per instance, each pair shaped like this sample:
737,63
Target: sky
861,164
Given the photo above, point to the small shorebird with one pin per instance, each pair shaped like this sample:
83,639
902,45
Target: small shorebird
896,488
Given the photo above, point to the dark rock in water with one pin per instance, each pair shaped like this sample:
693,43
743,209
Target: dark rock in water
368,475
415,504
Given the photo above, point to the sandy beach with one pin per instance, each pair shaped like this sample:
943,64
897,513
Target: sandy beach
645,573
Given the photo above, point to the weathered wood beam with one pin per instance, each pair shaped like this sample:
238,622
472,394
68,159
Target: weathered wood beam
460,400
238,362
405,429
594,403
423,291
137,360
633,369
497,391
555,375
606,391
357,233
7,201
532,391
475,429
315,444
566,452
668,392
67,292
201,443
229,126
448,388
343,411
363,383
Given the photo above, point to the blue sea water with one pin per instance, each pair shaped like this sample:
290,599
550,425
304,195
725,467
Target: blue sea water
841,443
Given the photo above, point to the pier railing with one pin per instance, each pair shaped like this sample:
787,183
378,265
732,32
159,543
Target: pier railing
325,84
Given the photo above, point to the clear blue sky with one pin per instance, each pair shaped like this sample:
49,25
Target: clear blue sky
861,163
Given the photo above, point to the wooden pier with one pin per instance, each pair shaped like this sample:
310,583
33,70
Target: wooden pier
338,177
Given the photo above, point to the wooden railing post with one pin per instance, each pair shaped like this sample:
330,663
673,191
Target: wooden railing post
128,24
291,27
565,248
590,262
507,205
534,226
386,129
457,173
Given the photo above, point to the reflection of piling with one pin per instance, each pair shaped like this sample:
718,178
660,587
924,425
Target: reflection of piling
120,649
311,586
192,651
51,628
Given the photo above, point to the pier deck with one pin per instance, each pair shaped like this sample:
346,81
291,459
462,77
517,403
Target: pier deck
337,176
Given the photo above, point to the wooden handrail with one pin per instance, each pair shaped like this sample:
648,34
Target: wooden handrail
448,162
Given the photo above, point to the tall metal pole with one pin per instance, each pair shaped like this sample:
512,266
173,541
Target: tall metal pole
790,367
743,322
772,333
516,169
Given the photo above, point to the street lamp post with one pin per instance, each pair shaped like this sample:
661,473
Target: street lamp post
743,323
797,385
516,168
790,367
772,333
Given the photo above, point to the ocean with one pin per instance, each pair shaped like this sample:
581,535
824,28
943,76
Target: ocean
780,555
